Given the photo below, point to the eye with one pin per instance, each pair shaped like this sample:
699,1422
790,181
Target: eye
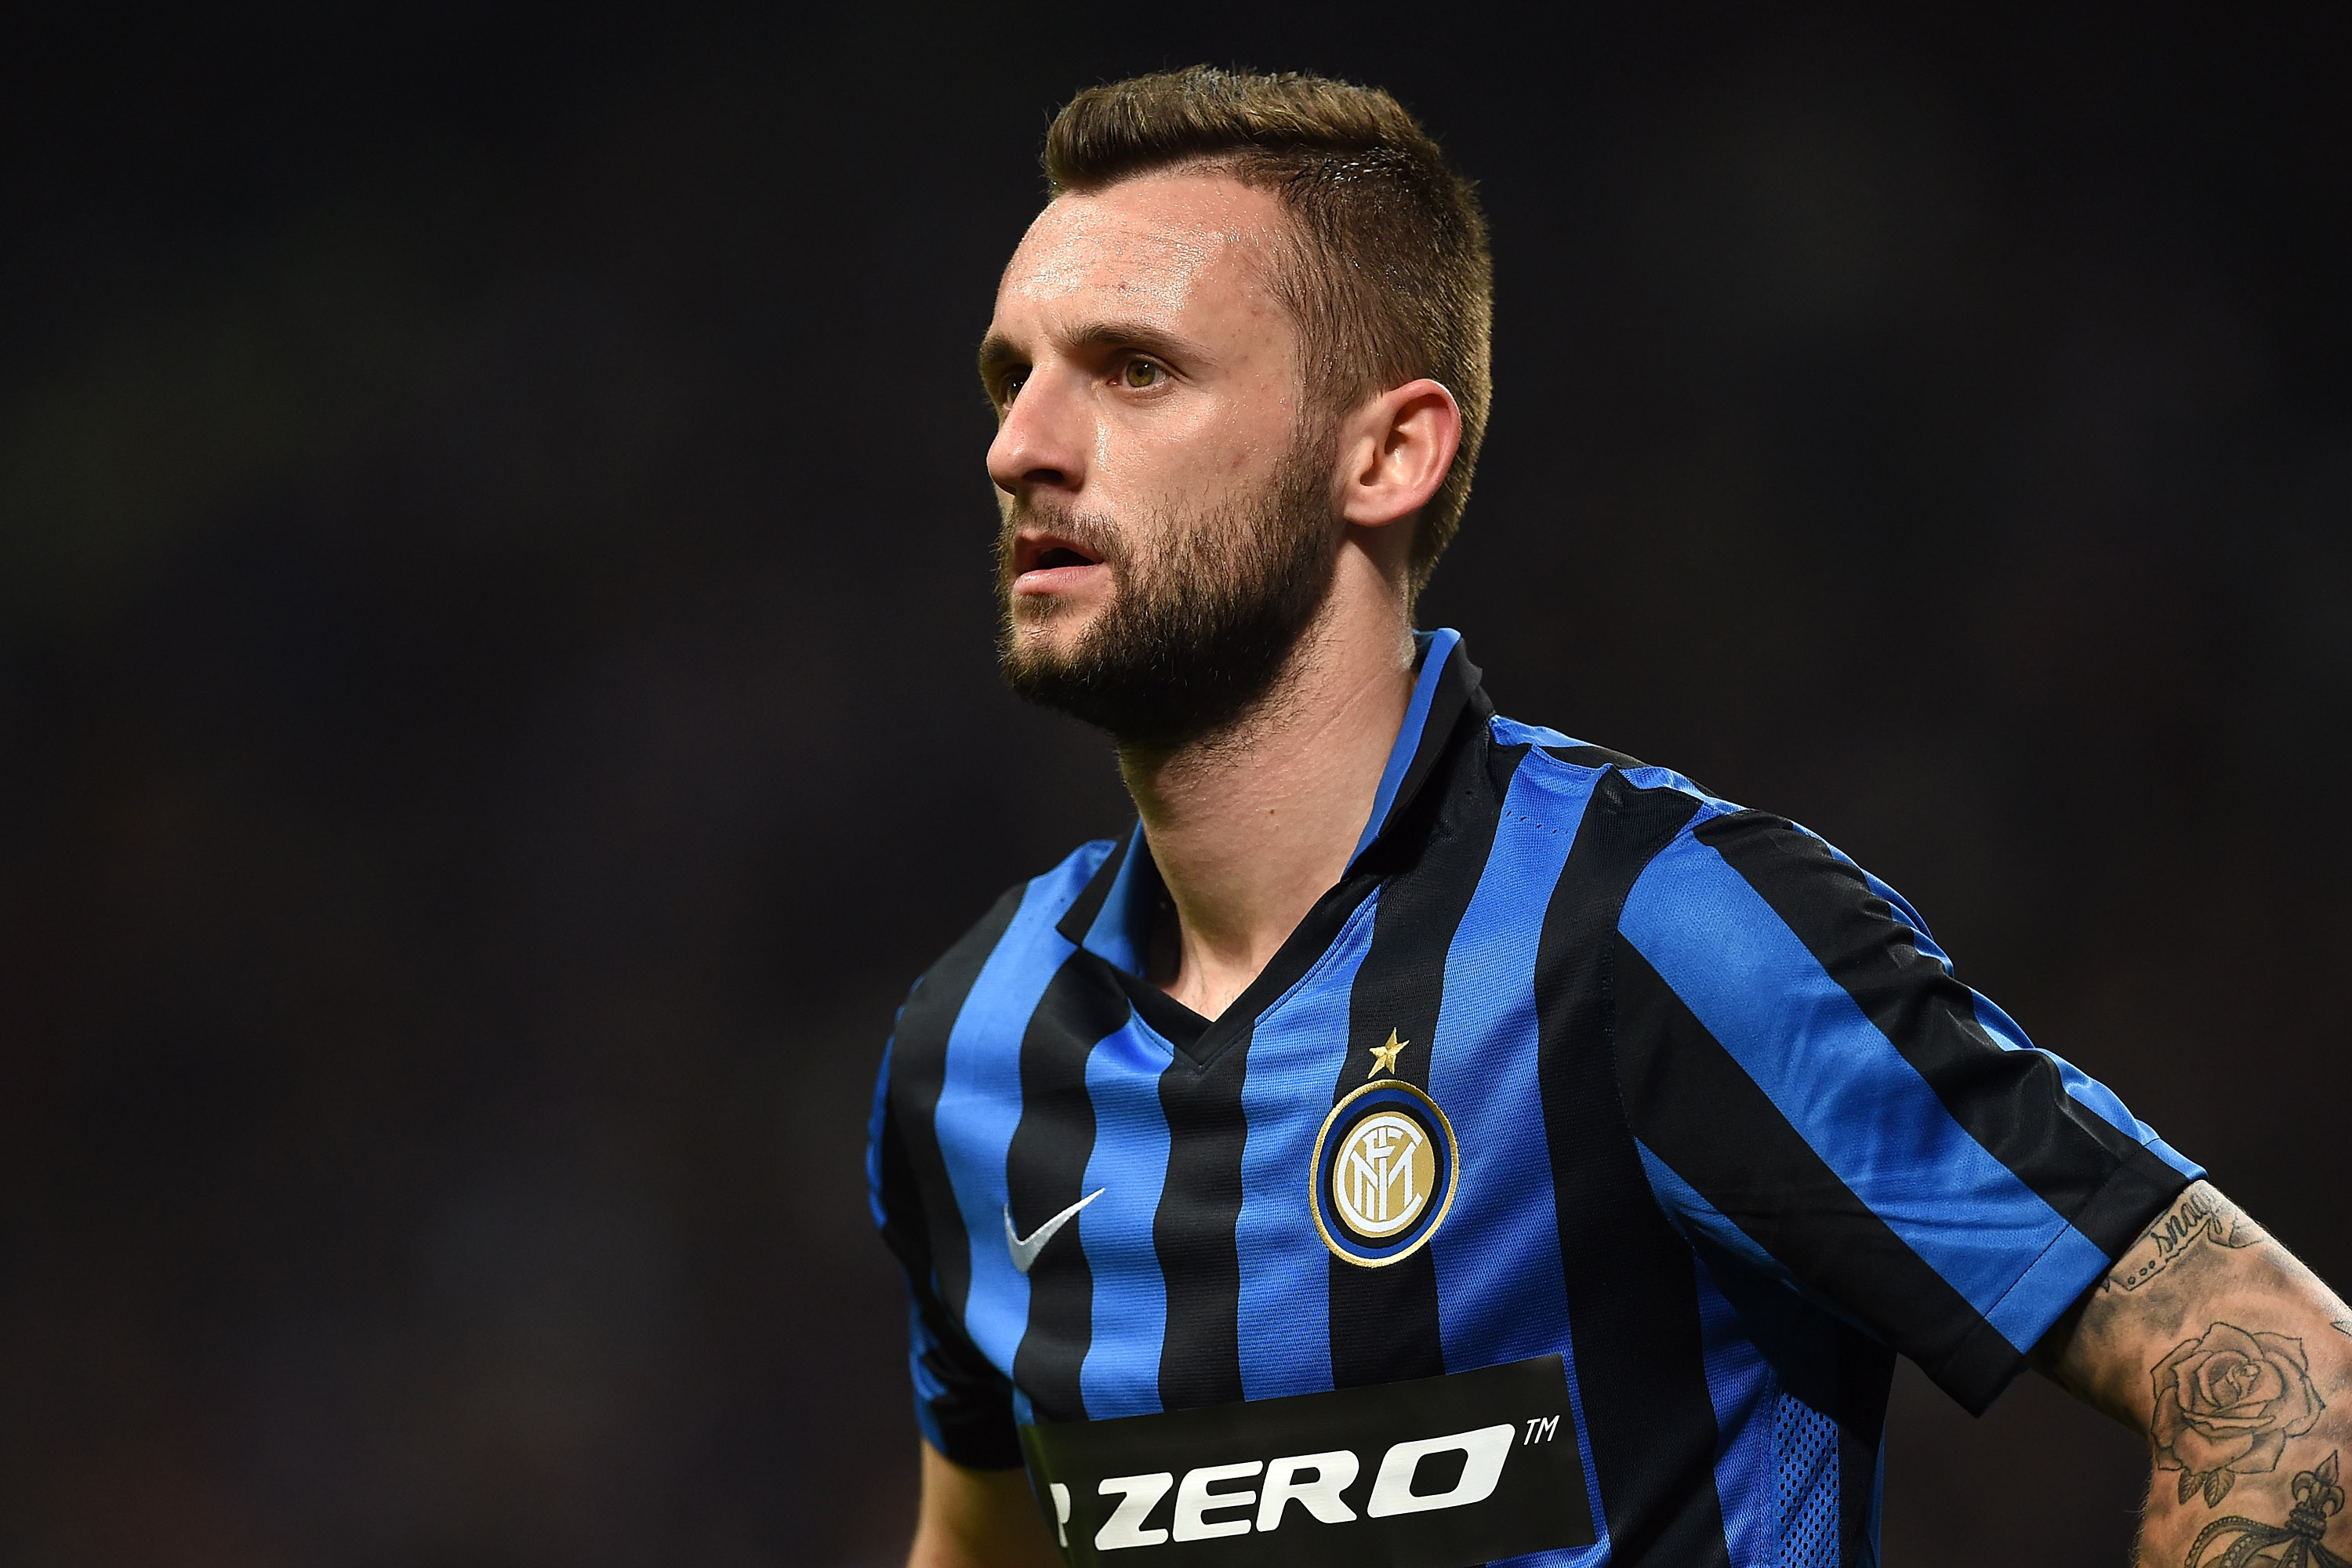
1140,373
1010,386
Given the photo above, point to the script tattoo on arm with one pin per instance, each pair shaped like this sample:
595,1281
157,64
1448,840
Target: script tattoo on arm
2201,1216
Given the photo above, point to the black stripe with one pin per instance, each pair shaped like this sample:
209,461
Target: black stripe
1594,757
919,1064
1079,918
1384,1324
974,1411
1194,1231
1044,1167
1632,1285
903,1230
921,1220
1865,1375
1301,951
1177,1024
1701,1113
1458,710
2011,1103
1829,1365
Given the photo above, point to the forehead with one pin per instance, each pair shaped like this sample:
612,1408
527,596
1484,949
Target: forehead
1158,244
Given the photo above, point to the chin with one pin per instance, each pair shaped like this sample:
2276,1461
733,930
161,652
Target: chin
1043,622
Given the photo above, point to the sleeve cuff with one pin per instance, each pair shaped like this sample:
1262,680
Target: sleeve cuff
1992,1352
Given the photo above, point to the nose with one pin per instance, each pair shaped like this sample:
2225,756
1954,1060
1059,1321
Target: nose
1039,444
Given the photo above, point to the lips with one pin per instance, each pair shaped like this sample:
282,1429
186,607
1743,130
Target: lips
1045,563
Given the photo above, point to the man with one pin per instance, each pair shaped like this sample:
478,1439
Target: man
1427,1139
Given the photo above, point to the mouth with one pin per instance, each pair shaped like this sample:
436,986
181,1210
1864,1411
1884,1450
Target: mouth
1049,563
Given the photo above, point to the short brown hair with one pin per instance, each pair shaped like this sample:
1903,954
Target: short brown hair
1394,280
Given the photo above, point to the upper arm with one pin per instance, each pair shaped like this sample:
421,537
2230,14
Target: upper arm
981,1511
2232,1359
977,1519
963,1402
2203,1275
1816,1090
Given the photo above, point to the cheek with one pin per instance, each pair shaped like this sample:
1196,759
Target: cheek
1181,457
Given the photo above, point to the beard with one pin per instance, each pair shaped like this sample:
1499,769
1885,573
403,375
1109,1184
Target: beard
1205,611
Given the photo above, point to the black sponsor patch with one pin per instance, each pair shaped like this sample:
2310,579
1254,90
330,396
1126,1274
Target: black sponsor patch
1439,1472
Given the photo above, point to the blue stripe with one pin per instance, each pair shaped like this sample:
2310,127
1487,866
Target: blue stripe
1119,928
1120,1376
1416,717
1850,1094
1502,1302
1501,1293
1511,732
1642,775
2053,1283
1648,777
1743,1388
929,1390
1296,1053
874,1122
1694,1218
2083,1089
979,1097
1807,1484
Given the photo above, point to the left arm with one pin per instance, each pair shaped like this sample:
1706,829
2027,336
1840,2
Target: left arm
2234,1363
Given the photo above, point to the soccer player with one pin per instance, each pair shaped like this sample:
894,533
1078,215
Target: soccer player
1426,1139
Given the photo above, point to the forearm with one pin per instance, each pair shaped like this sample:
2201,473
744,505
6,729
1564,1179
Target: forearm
977,1519
2234,1362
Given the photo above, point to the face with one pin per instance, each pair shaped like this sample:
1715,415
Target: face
1168,522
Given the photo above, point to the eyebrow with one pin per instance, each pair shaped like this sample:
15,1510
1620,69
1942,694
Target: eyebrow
998,353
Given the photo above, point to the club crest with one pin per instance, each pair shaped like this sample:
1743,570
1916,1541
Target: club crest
1385,1164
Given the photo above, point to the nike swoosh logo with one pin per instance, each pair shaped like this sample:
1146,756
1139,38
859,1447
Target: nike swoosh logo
1025,1250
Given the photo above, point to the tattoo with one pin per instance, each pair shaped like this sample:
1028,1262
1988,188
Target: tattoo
2201,1214
2317,1501
2340,1326
2226,1403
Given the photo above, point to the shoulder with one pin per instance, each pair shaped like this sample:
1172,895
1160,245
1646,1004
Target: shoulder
1630,810
1022,922
1687,855
1583,764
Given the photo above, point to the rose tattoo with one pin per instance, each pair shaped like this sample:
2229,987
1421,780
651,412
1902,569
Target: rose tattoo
2226,1405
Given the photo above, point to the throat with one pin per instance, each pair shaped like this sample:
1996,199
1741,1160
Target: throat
1202,978
1248,839
1209,983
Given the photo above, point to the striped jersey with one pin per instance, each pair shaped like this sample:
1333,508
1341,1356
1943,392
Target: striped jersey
1580,1085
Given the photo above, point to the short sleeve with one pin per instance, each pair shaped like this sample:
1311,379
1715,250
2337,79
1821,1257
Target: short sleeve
962,1403
1813,1091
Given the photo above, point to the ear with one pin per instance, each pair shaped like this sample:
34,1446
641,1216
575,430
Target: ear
1395,451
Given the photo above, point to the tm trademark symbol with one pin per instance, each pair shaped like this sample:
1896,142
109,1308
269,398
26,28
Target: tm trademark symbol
1540,1429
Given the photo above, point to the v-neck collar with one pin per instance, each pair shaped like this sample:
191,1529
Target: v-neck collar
1112,916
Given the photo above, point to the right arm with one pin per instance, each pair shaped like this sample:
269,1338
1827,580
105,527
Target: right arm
978,1519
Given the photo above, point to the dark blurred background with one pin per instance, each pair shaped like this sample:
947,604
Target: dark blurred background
496,702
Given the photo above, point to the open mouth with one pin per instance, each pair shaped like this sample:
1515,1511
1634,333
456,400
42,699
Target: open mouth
1040,558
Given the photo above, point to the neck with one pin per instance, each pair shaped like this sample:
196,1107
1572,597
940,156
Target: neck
1249,827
